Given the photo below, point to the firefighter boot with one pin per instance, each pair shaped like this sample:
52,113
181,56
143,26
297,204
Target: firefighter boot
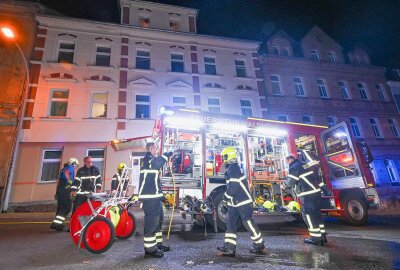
317,242
324,239
163,248
259,250
57,227
155,253
225,252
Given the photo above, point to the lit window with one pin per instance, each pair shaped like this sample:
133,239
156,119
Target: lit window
355,127
282,118
363,92
144,22
177,64
179,102
343,90
245,104
307,119
142,59
240,68
99,104
298,86
323,92
142,106
275,50
393,127
59,102
275,85
97,158
332,57
209,65
330,120
375,127
381,92
314,55
51,163
391,168
66,52
286,52
214,105
174,26
103,56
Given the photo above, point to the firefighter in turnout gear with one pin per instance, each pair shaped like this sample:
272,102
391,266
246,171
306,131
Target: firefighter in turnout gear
306,186
151,194
239,203
64,203
87,180
120,181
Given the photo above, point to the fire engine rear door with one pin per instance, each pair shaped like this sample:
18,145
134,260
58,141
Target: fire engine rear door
344,170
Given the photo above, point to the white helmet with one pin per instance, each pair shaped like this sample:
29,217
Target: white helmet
73,161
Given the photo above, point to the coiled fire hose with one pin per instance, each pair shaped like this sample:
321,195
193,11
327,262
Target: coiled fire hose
174,196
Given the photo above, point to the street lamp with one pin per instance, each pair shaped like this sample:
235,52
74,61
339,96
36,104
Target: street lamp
9,34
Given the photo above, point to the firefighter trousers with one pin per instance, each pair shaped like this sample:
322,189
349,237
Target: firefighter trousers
79,199
153,220
64,204
245,213
311,212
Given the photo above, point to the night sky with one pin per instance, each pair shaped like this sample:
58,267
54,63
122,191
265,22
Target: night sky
373,23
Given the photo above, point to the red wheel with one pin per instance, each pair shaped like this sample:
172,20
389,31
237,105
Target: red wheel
126,226
99,235
75,225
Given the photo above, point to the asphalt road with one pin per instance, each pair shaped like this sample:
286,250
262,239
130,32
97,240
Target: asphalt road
375,246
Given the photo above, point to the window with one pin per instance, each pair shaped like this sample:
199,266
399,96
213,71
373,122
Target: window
298,85
282,117
330,120
209,65
286,52
66,52
245,104
97,158
51,163
179,102
381,92
99,104
59,102
363,92
275,85
396,72
142,59
396,98
375,127
177,64
391,169
355,127
307,119
143,106
144,22
332,57
275,50
103,56
323,92
214,105
393,127
314,55
240,68
174,26
344,90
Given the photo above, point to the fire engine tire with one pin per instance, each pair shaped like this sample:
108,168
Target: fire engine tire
99,235
355,210
126,226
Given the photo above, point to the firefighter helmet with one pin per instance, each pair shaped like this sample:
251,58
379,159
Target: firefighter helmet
269,205
73,161
229,154
294,206
121,166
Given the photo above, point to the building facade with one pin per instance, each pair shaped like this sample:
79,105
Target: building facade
97,82
314,82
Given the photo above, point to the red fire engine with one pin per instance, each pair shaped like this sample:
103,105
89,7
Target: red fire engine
197,139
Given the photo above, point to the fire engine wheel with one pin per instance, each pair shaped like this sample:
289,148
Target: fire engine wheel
355,211
126,226
99,235
221,214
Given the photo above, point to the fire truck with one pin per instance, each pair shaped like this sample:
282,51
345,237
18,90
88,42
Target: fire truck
197,138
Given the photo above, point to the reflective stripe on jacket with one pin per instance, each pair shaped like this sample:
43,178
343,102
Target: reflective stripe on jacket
304,181
237,188
87,180
149,180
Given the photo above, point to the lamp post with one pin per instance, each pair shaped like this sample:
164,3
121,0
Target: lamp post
9,34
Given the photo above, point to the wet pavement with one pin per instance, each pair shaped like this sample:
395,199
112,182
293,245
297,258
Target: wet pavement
375,246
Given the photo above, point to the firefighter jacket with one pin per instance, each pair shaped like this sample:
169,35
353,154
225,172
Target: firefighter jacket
237,188
87,180
149,179
120,180
63,181
302,179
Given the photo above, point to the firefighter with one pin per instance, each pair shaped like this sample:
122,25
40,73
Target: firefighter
120,181
151,194
87,180
305,184
64,203
239,205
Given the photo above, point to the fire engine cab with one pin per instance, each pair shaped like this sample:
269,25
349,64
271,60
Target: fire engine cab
197,138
